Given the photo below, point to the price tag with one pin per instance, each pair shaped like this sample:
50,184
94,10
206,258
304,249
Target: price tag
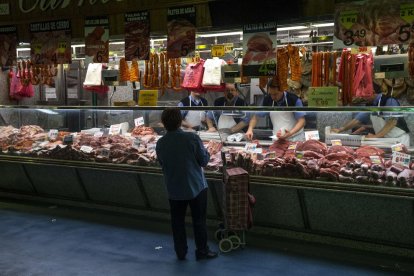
299,154
292,147
151,147
105,152
336,142
98,134
375,159
312,135
50,93
53,134
323,96
68,139
136,143
115,129
86,149
217,50
380,75
397,147
139,121
401,158
250,147
271,155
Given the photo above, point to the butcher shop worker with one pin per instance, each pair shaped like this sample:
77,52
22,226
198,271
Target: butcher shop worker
286,124
182,157
227,121
385,125
193,119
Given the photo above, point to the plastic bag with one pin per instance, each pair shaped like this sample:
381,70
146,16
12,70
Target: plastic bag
193,76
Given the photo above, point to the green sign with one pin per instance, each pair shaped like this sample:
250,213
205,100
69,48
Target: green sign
323,96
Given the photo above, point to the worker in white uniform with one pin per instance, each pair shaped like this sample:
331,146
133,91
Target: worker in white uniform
225,120
193,119
385,124
286,124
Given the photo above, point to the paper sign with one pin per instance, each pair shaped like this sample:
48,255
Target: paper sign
105,152
271,155
312,135
250,147
68,139
50,93
148,98
401,158
137,35
53,134
217,50
397,147
323,96
375,159
228,48
336,142
115,129
72,93
151,147
139,121
86,149
292,147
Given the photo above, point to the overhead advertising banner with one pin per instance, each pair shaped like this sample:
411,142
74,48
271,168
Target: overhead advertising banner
137,36
181,30
51,42
259,46
8,45
373,23
97,40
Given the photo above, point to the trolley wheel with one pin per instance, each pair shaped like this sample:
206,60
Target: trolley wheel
235,241
225,245
218,235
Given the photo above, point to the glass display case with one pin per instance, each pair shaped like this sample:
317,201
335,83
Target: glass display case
126,137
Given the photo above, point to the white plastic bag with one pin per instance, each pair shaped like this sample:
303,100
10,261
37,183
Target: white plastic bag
93,75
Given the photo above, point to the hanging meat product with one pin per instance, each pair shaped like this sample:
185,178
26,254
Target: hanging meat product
282,68
123,70
295,64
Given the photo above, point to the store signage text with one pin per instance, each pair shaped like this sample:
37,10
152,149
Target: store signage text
45,5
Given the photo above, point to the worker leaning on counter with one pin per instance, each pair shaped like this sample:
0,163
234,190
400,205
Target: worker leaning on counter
286,124
385,124
193,119
224,121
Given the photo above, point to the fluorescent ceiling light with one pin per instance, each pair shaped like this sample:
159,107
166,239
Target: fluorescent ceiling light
292,28
78,45
23,49
220,34
323,25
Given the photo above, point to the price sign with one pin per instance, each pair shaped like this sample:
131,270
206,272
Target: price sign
228,48
323,96
105,152
407,12
86,149
68,139
348,18
53,134
50,93
397,147
115,129
375,159
292,147
312,135
271,155
148,98
139,121
401,158
336,142
250,147
217,50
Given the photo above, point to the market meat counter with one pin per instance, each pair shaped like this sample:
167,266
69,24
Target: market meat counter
105,157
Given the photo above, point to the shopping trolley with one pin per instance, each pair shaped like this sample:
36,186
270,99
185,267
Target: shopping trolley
236,208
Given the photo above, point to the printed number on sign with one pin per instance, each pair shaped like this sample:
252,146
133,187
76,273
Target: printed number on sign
404,34
99,56
351,35
267,68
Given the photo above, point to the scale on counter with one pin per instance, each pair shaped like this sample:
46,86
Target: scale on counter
391,66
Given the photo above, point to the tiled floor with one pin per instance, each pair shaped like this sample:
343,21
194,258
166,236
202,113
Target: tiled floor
42,240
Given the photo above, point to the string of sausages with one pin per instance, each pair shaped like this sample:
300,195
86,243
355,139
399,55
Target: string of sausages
346,75
35,74
323,69
411,59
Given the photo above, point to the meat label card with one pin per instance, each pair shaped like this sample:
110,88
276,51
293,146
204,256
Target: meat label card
401,158
373,23
51,42
97,40
259,46
8,45
137,36
181,29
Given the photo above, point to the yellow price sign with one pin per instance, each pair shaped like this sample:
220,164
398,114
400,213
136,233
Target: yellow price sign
217,50
407,12
228,48
148,98
348,18
62,47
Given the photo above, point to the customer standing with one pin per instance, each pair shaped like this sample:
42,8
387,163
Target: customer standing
182,156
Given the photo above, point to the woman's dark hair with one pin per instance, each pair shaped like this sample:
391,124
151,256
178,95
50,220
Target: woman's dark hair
171,118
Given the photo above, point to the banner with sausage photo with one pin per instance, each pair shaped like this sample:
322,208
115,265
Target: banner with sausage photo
8,45
181,30
51,42
137,36
259,46
373,23
97,40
